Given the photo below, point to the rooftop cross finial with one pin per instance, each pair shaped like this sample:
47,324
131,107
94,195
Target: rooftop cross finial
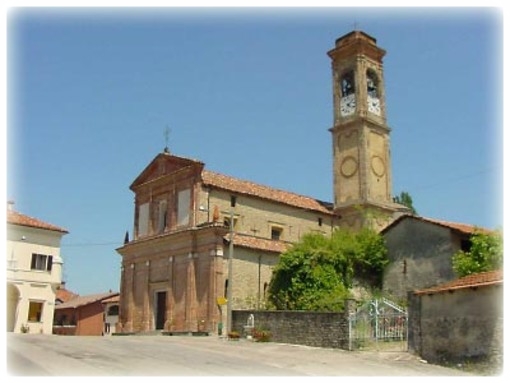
167,135
355,25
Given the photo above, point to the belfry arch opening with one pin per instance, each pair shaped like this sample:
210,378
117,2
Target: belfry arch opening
372,84
347,85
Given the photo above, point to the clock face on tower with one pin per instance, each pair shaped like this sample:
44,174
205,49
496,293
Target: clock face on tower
374,105
348,105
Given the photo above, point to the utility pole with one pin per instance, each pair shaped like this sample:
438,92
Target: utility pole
230,257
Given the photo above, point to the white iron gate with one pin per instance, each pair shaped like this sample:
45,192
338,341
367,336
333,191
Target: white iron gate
378,325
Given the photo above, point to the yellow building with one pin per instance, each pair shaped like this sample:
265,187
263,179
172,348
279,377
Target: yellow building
34,272
175,271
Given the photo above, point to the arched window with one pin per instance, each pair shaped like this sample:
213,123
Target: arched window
347,84
372,84
113,310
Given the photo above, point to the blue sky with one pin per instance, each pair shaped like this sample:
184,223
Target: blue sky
90,93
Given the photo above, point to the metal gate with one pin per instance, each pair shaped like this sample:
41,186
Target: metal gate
378,325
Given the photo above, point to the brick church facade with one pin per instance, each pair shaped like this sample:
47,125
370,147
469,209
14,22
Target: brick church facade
174,273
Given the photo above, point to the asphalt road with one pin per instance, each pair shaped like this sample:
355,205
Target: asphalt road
40,355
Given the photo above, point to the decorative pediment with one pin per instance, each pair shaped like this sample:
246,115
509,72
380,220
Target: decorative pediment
164,164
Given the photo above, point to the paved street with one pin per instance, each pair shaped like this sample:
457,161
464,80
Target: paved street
39,355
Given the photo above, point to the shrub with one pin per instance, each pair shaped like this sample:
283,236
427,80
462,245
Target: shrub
261,335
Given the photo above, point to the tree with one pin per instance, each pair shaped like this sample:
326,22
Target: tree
405,199
317,272
485,254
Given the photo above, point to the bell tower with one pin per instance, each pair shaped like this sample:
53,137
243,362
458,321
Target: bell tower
361,142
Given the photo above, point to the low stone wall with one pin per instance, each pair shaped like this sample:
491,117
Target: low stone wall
318,329
64,330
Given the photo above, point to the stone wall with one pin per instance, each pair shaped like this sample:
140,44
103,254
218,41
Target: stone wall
420,255
252,270
317,329
457,325
256,216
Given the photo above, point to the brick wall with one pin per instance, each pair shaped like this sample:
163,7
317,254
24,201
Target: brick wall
318,329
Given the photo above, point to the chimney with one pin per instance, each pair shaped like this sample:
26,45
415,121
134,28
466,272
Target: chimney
10,205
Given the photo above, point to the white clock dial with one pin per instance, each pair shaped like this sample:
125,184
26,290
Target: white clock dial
348,105
374,105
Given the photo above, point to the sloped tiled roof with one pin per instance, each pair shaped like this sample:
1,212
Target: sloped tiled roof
459,227
258,243
84,300
237,185
64,295
474,280
462,227
15,218
114,299
166,163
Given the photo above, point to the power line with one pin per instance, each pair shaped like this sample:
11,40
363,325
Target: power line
91,244
430,186
455,179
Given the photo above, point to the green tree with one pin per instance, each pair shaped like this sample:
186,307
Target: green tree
317,272
405,199
485,254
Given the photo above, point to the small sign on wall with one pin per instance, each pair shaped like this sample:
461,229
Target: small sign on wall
221,301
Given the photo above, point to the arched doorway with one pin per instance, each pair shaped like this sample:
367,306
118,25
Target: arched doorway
12,306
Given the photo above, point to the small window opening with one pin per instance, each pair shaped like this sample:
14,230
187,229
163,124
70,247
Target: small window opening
276,233
35,311
226,222
465,245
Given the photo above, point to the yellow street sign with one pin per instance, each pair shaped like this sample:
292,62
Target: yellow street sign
221,301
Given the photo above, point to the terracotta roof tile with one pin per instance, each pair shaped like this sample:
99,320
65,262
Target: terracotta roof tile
259,243
462,227
474,280
114,299
64,295
84,300
459,227
16,218
236,185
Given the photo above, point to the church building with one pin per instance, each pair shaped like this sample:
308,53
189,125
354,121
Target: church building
189,220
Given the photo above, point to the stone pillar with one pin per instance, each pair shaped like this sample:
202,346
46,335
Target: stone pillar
170,301
146,325
349,311
414,323
191,320
122,301
129,304
212,318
